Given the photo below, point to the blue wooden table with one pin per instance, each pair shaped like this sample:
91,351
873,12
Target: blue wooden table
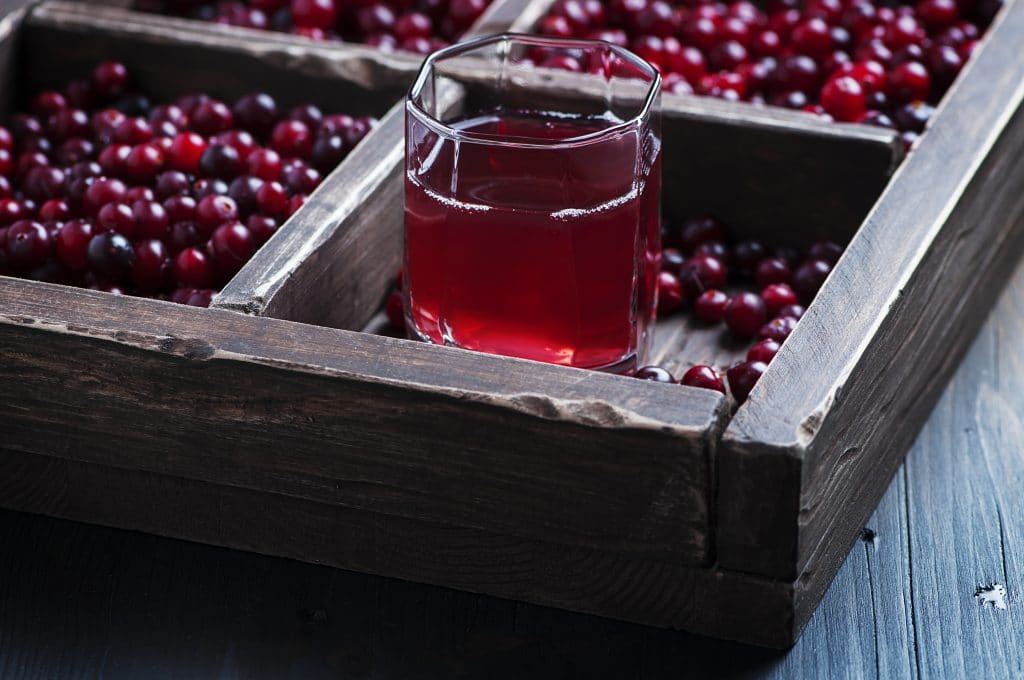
933,590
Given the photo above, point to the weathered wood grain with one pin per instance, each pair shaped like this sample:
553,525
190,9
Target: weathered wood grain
360,421
605,583
844,398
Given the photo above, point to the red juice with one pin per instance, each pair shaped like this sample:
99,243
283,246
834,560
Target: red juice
519,247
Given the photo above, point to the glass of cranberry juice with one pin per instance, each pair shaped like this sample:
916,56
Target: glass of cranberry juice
532,201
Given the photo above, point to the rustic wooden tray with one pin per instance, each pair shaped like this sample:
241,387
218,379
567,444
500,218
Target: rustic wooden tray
581,490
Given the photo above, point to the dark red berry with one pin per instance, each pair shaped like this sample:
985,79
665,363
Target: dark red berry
772,270
808,279
220,161
744,315
778,329
192,268
110,255
670,293
764,351
395,311
710,306
292,138
256,112
231,245
28,245
743,376
700,230
704,377
152,270
109,80
776,296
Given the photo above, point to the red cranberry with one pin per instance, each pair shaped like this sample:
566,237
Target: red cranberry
710,306
812,37
654,374
221,162
743,376
110,79
186,151
828,251
413,25
902,32
202,188
41,183
809,277
71,243
704,377
746,256
151,220
55,210
265,164
797,73
143,163
777,329
28,245
670,293
133,131
700,273
464,12
192,268
772,270
292,138
256,113
909,81
700,230
262,227
844,99
215,210
744,314
112,158
231,245
11,211
116,217
914,116
294,203
68,123
240,140
110,255
314,13
764,351
152,271
102,192
776,296
272,198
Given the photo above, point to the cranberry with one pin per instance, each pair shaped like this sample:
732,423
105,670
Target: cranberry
704,377
944,64
200,298
798,73
413,25
41,183
772,270
240,140
327,152
110,255
151,220
143,163
262,227
202,188
102,192
221,162
152,270
55,210
743,376
902,32
186,151
133,131
710,306
764,351
116,217
746,256
670,293
272,198
109,80
68,123
314,13
232,245
265,164
74,151
776,296
214,210
700,230
192,268
909,81
292,138
777,329
844,99
185,234
809,277
828,251
744,314
464,12
812,37
700,273
914,116
28,244
71,243
256,113
6,139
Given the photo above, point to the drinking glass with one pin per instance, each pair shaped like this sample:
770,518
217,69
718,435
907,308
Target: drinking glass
532,201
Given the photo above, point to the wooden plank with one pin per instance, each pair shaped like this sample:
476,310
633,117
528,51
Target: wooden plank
608,584
884,334
359,421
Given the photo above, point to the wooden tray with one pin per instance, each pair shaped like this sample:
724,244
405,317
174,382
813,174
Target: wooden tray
581,490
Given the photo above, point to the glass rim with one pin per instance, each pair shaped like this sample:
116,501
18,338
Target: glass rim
442,128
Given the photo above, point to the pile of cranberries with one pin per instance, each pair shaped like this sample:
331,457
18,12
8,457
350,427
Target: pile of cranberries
420,26
769,291
878,62
101,189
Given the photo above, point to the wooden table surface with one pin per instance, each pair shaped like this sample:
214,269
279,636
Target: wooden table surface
933,591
